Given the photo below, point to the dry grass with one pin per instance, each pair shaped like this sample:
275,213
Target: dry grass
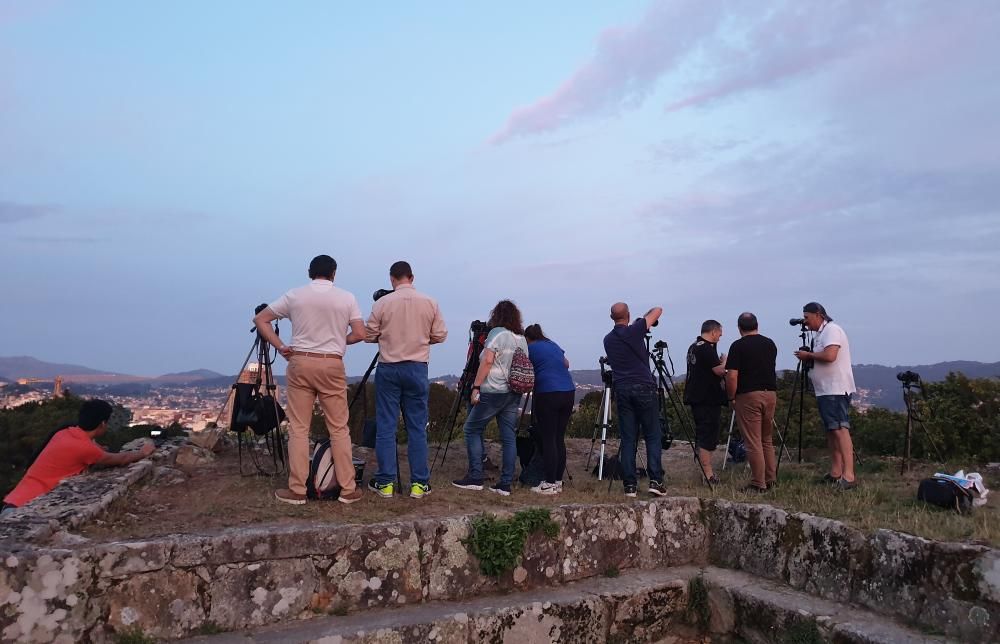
216,497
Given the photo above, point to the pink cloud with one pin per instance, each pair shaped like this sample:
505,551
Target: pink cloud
623,69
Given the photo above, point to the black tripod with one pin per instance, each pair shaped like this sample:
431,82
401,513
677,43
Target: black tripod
910,382
477,338
255,408
798,389
665,391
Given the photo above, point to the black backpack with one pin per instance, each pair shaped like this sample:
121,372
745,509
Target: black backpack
945,494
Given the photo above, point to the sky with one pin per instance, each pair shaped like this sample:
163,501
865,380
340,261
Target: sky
165,167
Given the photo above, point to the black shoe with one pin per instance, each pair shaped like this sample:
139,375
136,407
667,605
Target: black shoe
656,488
631,490
713,480
501,489
827,479
468,483
844,484
753,489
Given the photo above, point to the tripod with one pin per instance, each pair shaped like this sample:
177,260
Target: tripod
477,338
258,412
798,388
665,392
911,416
603,414
732,422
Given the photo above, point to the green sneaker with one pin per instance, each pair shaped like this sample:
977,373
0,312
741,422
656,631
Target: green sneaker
419,490
384,490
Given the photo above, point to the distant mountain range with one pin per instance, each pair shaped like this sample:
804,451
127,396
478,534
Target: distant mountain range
16,367
879,382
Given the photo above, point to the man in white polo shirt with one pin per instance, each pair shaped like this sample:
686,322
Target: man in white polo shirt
833,380
321,315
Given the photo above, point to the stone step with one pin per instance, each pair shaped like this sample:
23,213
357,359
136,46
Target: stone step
670,606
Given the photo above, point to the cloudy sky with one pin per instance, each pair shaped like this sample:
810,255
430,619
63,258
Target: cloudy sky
164,167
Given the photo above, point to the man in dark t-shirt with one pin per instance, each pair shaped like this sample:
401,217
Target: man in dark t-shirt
704,392
750,386
635,392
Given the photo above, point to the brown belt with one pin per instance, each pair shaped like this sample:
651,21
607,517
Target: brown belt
310,354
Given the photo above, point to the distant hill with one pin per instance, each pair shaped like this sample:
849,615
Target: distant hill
196,375
15,367
884,390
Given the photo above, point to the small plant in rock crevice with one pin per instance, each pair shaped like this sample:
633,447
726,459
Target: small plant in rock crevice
133,635
697,602
802,632
499,543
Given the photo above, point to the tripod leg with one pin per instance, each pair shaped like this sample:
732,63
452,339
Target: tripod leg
781,438
725,458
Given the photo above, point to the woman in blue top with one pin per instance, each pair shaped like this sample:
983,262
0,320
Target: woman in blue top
553,403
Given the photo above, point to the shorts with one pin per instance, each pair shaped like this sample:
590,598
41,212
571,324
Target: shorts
706,425
834,411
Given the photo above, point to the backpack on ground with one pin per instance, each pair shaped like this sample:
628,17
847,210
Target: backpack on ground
321,484
946,494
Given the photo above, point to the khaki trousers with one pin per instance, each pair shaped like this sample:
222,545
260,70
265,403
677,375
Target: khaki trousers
308,379
755,413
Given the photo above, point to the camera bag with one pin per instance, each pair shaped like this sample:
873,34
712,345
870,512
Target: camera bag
945,494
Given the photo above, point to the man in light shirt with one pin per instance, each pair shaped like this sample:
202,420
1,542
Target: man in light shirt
321,315
833,380
405,323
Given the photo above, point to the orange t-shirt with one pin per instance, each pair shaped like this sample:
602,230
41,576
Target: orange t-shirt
70,452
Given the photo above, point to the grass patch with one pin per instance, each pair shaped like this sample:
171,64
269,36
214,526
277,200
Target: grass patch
499,543
611,572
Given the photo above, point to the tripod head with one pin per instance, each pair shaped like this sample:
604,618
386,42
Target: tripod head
606,377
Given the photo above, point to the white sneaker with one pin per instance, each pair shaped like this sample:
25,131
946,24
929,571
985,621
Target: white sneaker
546,488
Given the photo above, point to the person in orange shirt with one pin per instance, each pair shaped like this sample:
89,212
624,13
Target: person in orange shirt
70,451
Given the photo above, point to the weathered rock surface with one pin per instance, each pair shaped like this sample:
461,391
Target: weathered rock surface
208,438
193,456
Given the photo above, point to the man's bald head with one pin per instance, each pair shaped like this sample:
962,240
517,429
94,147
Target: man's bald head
619,312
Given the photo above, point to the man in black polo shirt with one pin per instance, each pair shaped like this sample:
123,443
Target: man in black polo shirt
704,391
635,392
750,386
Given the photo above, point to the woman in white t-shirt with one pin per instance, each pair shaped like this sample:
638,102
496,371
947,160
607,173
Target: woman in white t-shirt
492,398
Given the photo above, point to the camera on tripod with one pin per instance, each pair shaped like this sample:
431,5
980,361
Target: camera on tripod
382,292
908,378
606,377
478,326
797,322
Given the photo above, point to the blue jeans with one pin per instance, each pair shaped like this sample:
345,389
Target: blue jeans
834,411
638,410
401,384
503,407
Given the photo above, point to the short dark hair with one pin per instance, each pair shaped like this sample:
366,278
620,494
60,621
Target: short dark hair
534,333
710,325
507,315
322,266
817,308
92,413
401,270
747,322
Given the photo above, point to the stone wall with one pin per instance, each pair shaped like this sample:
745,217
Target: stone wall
177,586
944,587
